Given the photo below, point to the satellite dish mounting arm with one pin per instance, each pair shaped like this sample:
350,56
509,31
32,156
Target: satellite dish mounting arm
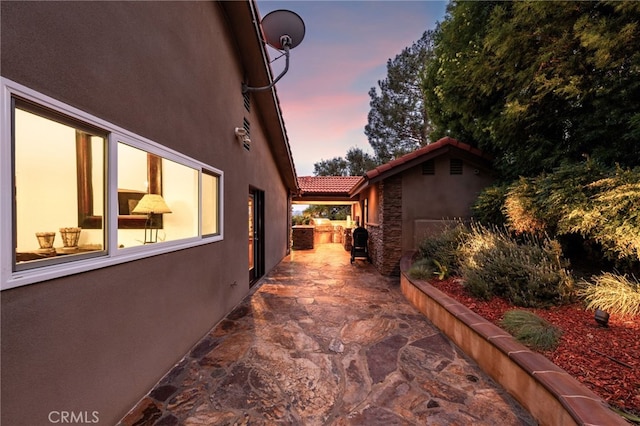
283,30
285,41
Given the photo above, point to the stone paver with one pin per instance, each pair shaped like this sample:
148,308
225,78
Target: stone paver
325,342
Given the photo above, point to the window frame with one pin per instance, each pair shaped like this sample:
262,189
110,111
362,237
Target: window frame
110,255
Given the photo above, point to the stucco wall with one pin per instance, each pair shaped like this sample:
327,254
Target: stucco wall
167,71
407,206
429,199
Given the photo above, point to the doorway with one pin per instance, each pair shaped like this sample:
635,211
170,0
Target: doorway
256,235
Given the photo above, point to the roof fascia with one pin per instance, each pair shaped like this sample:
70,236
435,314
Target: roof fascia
475,160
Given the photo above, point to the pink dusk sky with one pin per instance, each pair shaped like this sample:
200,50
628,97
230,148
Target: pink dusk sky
324,95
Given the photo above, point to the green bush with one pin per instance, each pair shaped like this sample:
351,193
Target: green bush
422,269
531,330
488,208
441,249
615,294
522,213
559,193
300,220
581,199
528,271
610,216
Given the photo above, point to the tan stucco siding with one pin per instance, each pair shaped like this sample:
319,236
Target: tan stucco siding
169,72
438,196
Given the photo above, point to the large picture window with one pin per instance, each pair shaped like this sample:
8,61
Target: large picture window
81,189
175,188
45,149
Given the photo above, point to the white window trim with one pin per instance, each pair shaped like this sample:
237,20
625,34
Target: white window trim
113,256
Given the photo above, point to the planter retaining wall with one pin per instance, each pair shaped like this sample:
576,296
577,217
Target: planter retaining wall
550,394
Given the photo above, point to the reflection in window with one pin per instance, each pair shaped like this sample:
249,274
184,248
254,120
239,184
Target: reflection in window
46,186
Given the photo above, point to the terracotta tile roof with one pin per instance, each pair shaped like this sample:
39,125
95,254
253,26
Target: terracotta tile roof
327,184
333,186
441,143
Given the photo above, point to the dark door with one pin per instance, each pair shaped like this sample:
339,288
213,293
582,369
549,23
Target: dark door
256,235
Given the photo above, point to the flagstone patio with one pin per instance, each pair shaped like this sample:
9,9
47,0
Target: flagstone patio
321,341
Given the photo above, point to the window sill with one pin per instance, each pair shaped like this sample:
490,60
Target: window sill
44,273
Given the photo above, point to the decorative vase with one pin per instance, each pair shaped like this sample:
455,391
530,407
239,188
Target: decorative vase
70,236
45,240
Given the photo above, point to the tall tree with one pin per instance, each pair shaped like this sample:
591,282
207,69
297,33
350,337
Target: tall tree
359,162
397,121
539,84
336,166
356,163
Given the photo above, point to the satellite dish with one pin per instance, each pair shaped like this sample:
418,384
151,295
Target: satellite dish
283,27
283,30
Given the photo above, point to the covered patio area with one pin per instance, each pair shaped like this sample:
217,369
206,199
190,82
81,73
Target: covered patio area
321,341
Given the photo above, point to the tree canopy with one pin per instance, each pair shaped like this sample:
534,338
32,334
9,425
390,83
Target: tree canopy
397,121
356,163
536,84
539,84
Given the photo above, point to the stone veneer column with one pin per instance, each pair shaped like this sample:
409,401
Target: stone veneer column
375,244
391,225
385,240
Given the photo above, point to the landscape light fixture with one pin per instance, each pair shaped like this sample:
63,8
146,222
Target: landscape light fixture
283,30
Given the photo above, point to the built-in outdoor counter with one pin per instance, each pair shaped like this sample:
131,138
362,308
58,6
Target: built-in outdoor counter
323,232
302,236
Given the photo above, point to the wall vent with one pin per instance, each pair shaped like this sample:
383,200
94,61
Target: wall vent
429,167
455,166
247,141
247,101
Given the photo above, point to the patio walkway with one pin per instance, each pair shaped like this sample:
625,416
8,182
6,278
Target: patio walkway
324,342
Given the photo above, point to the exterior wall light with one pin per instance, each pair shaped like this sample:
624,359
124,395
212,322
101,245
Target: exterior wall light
242,136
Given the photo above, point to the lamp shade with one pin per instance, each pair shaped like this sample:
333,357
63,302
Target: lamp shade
151,204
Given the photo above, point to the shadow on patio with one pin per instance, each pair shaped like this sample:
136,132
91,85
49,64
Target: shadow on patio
325,342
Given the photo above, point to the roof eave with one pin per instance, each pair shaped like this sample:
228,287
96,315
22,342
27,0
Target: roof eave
442,146
244,23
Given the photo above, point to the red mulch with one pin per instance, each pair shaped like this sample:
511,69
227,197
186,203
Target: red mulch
605,359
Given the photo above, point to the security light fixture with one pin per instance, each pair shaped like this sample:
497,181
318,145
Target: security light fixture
243,136
283,30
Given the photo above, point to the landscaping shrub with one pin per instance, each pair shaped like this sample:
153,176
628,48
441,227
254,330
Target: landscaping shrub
613,293
610,216
559,193
527,272
300,220
488,207
422,269
531,330
582,199
522,213
441,249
